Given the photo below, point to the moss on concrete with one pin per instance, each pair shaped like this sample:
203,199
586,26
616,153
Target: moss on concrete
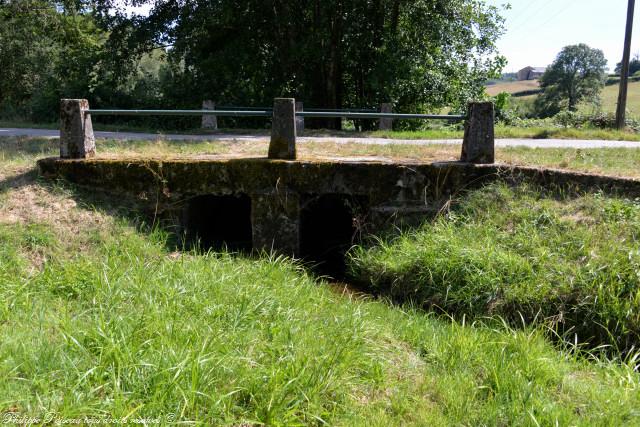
393,191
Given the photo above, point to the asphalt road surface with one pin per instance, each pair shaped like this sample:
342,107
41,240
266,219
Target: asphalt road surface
532,143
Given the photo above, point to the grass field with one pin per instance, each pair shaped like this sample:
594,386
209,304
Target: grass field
101,316
610,99
608,102
513,87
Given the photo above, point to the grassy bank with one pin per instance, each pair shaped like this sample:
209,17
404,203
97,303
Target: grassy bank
101,317
569,261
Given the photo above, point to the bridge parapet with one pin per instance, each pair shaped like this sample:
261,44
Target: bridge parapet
77,140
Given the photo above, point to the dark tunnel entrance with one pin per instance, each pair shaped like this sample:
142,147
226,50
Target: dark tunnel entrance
219,222
328,228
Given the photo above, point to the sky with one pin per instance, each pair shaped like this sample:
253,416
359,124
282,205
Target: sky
538,29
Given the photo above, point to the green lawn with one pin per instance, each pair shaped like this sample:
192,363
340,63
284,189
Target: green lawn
102,316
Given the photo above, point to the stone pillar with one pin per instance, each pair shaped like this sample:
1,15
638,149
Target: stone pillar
386,124
299,120
479,141
283,130
209,121
76,131
275,219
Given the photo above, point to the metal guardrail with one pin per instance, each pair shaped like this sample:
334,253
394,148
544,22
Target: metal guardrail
337,110
347,115
343,110
268,113
227,113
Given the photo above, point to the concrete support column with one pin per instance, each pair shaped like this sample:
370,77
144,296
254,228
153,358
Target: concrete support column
76,131
479,140
386,124
299,120
209,121
275,219
283,130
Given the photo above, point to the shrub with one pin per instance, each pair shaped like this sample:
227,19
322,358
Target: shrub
599,120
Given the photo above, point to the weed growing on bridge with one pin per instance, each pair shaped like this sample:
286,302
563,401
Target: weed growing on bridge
571,262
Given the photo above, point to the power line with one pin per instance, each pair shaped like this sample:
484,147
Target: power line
551,18
536,12
557,14
520,14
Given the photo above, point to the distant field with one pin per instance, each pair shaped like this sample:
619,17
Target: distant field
609,97
513,87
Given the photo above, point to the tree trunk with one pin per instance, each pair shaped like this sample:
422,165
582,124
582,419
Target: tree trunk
333,83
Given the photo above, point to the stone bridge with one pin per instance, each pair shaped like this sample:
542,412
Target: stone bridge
304,208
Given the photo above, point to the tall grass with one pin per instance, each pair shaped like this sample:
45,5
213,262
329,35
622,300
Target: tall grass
129,329
569,261
103,319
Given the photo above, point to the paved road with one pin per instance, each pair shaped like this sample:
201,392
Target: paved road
532,143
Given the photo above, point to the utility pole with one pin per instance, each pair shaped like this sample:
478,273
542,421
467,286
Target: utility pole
624,76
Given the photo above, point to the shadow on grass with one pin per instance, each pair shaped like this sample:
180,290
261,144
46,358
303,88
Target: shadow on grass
22,179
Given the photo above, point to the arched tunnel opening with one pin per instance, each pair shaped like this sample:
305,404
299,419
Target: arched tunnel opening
329,226
214,222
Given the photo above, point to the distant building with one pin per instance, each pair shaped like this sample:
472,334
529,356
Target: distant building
531,73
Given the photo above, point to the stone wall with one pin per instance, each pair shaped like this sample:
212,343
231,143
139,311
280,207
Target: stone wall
391,192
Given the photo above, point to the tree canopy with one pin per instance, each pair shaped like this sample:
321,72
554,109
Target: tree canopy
421,55
634,66
578,73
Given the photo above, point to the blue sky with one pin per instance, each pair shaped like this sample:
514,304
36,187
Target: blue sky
538,29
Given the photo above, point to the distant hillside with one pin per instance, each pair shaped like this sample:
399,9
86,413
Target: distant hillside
513,87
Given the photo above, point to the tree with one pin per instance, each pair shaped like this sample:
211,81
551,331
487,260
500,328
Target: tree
578,73
48,50
420,54
634,66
